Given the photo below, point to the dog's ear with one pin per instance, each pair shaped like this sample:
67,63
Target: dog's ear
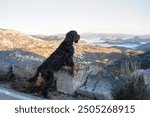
71,34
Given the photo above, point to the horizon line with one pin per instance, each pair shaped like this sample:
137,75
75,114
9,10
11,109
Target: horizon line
58,33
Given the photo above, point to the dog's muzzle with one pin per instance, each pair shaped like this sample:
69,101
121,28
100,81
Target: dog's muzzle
77,39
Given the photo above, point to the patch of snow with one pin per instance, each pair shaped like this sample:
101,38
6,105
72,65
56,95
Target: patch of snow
24,57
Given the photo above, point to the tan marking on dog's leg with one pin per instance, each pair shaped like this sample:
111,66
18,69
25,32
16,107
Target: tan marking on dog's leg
75,69
40,80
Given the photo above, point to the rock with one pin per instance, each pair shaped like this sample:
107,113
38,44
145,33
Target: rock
100,88
127,64
137,73
88,88
22,64
144,60
103,90
68,84
145,75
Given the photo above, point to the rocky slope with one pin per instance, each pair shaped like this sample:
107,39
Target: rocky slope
13,39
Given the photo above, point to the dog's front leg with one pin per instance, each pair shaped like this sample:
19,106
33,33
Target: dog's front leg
44,90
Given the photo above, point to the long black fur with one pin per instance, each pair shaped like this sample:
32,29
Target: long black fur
62,56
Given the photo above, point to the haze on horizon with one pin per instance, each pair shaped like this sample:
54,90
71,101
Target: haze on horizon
60,16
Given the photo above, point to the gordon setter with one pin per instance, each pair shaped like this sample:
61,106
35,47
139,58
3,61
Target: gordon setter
62,56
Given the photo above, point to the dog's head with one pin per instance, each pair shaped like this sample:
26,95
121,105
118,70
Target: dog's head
72,36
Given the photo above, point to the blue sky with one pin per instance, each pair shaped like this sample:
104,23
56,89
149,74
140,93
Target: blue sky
60,16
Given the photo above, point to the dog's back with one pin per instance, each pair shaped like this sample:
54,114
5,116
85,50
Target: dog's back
58,58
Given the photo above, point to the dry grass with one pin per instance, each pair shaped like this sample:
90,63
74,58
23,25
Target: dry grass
135,88
128,67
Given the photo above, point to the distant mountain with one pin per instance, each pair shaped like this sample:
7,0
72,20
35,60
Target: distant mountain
105,39
115,38
105,35
135,40
144,47
86,35
10,39
124,40
48,38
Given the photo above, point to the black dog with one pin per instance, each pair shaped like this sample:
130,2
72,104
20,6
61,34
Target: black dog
62,56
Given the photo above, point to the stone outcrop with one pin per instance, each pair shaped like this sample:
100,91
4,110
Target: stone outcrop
21,63
101,87
68,83
145,75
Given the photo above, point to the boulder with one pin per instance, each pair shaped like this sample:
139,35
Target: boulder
21,63
88,87
144,60
101,88
145,75
68,83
